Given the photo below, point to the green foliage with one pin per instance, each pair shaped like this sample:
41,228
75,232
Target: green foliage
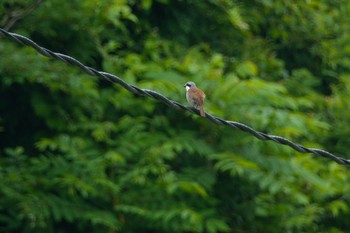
333,111
78,154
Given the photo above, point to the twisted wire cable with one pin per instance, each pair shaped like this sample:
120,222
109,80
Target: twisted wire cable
136,90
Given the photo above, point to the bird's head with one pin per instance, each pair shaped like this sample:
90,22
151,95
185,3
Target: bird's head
189,85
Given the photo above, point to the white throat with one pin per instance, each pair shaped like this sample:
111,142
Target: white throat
187,88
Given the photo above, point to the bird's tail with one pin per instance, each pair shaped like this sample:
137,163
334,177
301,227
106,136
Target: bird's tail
201,110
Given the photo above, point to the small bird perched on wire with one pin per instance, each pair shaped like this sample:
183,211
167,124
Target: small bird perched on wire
195,97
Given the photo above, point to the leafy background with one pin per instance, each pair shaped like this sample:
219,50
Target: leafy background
78,154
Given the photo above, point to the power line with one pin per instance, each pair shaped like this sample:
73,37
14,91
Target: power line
136,90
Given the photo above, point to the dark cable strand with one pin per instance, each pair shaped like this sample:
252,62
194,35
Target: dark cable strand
136,90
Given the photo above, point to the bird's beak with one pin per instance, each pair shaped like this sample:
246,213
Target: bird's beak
185,85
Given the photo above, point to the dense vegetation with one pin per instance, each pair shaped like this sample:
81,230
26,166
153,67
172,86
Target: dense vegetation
78,154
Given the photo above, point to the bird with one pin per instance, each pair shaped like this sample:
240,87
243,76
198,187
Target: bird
195,97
